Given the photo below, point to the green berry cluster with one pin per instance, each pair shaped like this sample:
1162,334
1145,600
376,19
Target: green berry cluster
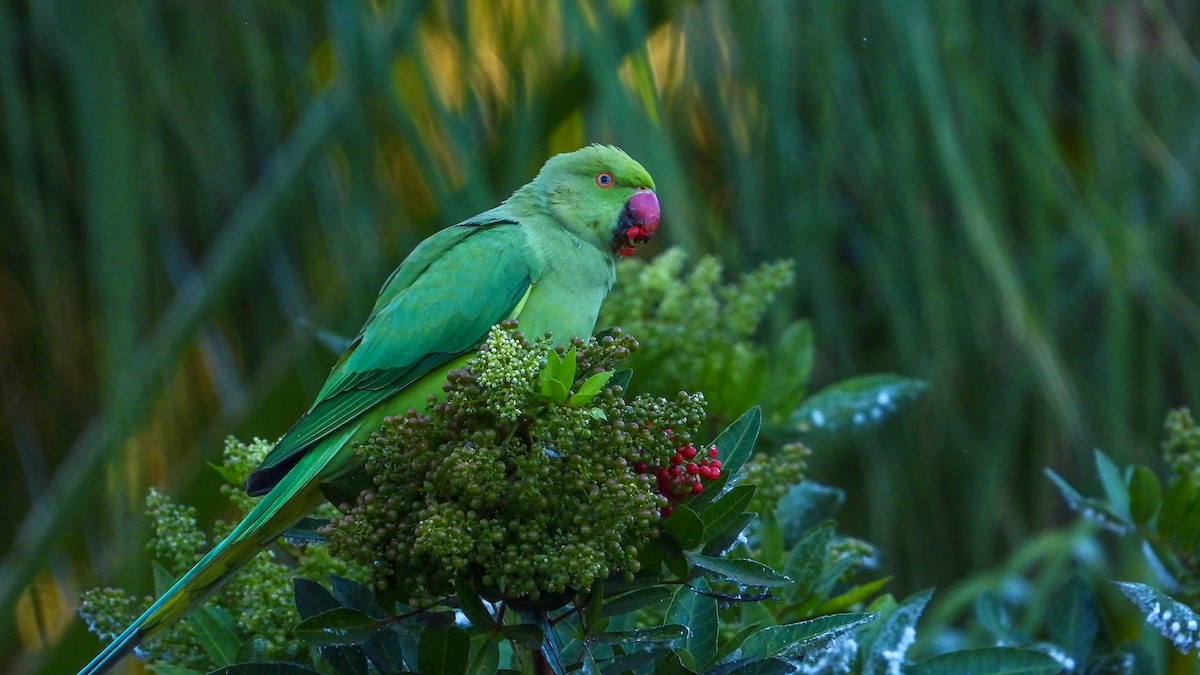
259,596
1181,450
776,473
528,497
698,329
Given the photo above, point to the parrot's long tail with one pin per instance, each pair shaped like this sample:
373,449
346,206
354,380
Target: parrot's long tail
293,497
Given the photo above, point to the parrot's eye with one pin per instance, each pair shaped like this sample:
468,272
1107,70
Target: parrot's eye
604,179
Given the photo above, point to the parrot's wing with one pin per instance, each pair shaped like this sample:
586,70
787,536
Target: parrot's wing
437,305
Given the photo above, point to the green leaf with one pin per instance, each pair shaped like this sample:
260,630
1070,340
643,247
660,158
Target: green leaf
634,638
472,606
1179,519
806,561
228,475
806,506
166,669
350,593
312,598
988,661
739,570
635,600
1114,486
1092,509
729,646
720,542
557,391
1145,495
338,626
444,650
1073,619
526,635
723,512
621,378
896,635
217,633
852,597
685,526
589,389
699,613
485,658
633,662
305,531
163,579
794,639
992,614
736,443
858,402
266,668
1171,618
754,667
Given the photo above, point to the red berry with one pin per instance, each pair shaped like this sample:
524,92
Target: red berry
676,471
666,512
688,451
712,451
716,464
693,469
697,488
677,459
661,473
641,467
668,432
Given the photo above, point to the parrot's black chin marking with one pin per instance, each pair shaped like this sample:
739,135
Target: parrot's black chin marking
630,231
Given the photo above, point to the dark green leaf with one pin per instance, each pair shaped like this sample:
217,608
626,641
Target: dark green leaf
254,649
386,651
338,626
855,403
1171,618
720,542
350,593
1179,519
992,614
472,606
312,598
718,515
305,531
634,661
732,644
895,635
736,443
635,600
621,379
444,651
164,669
806,561
699,613
806,506
265,668
988,661
635,638
739,570
685,526
794,639
1145,495
486,656
217,633
1074,619
753,667
526,635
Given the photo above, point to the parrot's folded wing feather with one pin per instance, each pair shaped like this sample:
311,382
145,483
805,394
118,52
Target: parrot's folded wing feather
439,304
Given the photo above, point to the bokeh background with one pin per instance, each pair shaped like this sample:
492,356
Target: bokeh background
197,200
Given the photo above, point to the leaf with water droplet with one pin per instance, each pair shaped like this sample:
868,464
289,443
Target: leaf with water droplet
797,638
988,661
856,402
338,626
669,633
739,570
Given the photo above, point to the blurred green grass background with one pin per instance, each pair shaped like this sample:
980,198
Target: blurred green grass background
196,199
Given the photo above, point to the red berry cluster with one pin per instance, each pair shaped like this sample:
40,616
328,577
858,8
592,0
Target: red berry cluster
685,475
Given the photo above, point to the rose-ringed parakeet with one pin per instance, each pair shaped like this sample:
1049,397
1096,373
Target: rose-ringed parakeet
546,257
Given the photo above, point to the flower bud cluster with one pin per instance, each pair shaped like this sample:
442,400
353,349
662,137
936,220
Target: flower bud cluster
527,506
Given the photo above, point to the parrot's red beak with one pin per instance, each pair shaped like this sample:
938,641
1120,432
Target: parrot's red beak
638,222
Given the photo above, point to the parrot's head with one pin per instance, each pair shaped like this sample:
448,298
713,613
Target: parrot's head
603,196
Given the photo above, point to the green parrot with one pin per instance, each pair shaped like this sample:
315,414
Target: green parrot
546,257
